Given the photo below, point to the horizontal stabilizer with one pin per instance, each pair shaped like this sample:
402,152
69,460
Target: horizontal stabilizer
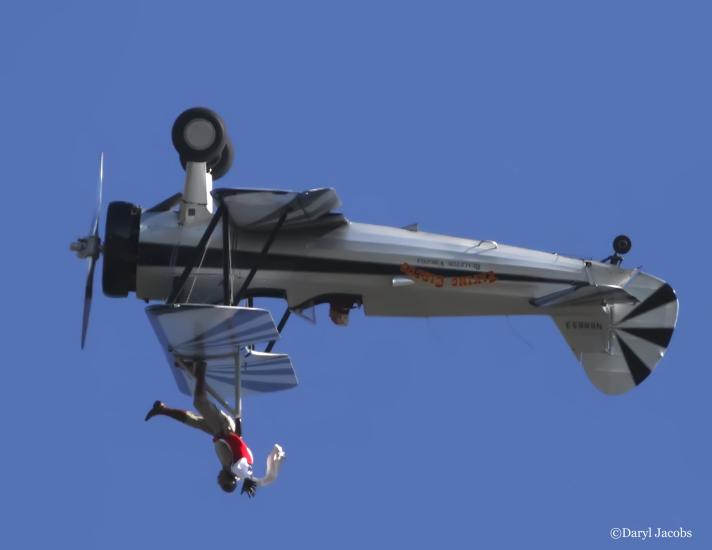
586,295
619,344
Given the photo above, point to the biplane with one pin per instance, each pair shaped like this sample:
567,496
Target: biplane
202,252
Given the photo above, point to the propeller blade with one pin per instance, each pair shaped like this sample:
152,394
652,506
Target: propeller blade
88,291
92,246
94,230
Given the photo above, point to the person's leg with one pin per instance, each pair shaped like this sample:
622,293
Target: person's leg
186,417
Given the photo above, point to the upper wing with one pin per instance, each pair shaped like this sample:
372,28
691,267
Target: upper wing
260,210
216,335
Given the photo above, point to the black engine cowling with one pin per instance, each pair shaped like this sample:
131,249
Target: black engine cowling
120,252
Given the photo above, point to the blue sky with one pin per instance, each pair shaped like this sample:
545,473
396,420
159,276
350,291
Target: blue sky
550,125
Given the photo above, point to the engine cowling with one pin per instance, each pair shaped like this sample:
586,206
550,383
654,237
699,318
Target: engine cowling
120,252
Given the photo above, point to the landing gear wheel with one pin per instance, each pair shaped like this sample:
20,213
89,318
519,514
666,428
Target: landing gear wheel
199,135
622,244
220,165
226,157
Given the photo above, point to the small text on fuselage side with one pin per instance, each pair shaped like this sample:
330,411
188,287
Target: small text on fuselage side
583,325
439,280
459,264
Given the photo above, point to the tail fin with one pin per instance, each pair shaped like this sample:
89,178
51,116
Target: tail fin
620,344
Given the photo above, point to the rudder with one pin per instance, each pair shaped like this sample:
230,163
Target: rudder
619,345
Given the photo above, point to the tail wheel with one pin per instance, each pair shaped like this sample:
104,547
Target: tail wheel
199,136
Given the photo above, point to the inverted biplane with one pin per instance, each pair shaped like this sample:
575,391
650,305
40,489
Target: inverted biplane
204,251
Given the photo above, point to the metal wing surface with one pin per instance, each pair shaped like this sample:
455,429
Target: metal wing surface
260,373
261,210
216,335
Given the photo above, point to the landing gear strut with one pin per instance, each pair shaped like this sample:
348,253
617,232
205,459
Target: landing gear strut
621,246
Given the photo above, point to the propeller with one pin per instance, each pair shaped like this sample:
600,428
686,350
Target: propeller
89,247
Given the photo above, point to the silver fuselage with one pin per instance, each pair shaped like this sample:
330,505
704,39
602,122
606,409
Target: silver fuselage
394,271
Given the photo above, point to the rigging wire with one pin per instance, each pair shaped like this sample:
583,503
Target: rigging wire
197,273
517,333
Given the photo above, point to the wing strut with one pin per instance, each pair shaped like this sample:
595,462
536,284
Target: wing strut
228,297
200,249
228,294
265,250
237,413
227,262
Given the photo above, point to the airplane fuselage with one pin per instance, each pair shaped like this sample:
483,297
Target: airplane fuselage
206,247
390,271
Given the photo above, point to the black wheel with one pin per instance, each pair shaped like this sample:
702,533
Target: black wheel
199,135
622,244
223,165
219,165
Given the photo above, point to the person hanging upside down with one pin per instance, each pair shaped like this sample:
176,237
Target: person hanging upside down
233,453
